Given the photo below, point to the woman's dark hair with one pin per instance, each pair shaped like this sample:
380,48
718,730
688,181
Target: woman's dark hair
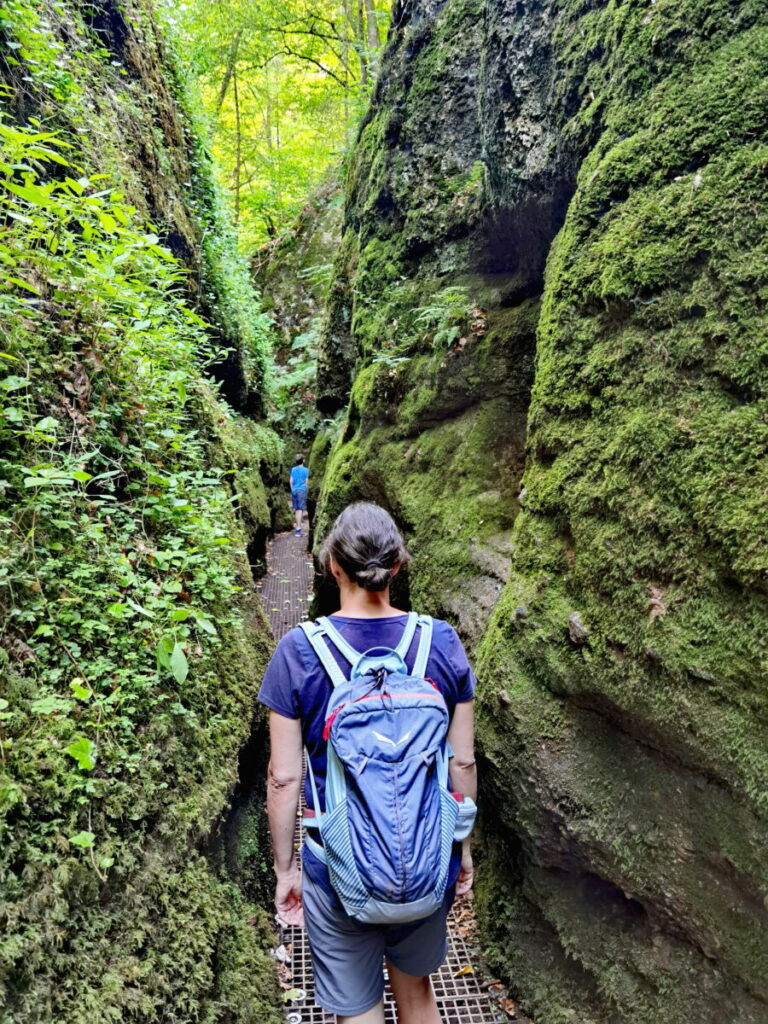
299,460
366,543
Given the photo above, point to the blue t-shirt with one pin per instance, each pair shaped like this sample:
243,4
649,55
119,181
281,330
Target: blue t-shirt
299,476
296,685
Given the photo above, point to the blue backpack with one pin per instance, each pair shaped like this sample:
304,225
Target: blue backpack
390,819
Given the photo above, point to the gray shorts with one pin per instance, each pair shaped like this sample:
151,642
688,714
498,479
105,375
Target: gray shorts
348,956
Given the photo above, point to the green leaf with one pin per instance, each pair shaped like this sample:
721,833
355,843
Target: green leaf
10,795
179,663
3,704
82,476
84,839
207,625
81,692
83,751
180,614
47,423
141,610
163,651
22,284
46,481
50,705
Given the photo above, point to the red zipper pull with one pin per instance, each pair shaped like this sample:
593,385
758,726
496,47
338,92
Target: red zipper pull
328,723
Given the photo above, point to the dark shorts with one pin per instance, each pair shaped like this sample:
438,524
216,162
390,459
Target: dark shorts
348,956
299,500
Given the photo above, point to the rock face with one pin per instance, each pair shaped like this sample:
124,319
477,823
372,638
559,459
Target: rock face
623,665
292,274
292,271
116,767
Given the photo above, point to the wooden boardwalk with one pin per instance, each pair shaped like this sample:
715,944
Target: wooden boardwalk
465,993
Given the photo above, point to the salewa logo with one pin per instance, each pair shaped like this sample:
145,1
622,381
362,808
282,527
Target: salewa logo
386,739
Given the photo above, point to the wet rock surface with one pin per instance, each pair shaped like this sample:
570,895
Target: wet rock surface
622,664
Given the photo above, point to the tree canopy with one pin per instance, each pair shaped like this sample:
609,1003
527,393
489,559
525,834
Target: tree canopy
284,84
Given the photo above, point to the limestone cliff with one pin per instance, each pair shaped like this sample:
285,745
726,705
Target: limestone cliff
132,507
553,264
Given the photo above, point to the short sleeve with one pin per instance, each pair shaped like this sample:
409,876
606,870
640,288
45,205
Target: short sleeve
465,677
276,690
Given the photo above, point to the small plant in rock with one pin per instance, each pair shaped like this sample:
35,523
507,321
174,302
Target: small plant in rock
447,317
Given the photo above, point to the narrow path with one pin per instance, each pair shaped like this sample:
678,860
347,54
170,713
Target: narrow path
464,990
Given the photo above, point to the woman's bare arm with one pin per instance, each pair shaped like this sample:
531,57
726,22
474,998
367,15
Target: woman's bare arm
461,737
283,789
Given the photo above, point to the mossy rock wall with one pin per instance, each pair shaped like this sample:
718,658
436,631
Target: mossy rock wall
120,758
622,701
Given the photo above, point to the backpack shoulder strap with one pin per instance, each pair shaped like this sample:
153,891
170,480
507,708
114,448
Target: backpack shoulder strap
425,642
337,639
351,654
316,633
405,640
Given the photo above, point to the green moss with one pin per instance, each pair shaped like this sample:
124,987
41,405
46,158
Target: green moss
450,488
638,753
624,760
143,554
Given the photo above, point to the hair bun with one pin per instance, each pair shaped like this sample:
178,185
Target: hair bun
375,578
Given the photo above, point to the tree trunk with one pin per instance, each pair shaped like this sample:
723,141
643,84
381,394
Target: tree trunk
373,29
362,42
231,62
238,145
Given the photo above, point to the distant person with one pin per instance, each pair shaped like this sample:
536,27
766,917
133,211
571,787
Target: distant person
299,476
380,889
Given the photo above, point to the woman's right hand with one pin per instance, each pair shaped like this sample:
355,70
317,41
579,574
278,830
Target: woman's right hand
288,901
467,873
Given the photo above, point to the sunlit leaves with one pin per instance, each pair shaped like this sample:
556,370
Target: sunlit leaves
285,84
83,839
83,751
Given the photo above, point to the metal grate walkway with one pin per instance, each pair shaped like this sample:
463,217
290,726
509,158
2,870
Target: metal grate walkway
465,992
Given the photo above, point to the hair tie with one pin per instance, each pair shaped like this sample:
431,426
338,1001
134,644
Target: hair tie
373,563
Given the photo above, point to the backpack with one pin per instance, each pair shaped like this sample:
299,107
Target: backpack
390,819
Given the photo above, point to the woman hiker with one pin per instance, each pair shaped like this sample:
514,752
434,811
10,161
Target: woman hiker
299,475
363,551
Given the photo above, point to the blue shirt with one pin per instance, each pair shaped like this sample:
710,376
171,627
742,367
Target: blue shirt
296,685
299,476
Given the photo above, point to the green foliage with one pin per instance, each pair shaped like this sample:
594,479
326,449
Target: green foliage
446,317
119,582
31,50
285,85
293,395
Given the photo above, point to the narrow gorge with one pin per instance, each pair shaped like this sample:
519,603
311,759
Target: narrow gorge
536,296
